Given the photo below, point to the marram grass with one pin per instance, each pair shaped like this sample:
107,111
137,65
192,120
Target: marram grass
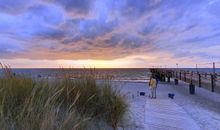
60,104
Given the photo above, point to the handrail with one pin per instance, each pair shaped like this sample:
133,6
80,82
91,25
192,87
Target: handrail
196,77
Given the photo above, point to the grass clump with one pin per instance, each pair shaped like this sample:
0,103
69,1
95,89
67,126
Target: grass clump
60,104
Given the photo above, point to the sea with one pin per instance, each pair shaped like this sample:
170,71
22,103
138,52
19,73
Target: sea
116,73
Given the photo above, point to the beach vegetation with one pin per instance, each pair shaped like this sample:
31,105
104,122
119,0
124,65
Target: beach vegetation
28,103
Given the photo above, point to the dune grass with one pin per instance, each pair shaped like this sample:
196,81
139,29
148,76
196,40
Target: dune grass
59,104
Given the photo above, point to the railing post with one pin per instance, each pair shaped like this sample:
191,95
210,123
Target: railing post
185,76
160,76
191,77
168,79
180,76
200,84
212,83
164,77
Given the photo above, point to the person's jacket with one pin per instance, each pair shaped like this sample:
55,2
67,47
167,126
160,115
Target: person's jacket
153,83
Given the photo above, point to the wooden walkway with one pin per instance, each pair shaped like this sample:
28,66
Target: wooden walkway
210,81
164,114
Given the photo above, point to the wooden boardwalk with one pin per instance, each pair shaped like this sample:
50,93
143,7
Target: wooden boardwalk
164,114
210,81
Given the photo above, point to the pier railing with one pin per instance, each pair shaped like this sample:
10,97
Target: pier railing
210,81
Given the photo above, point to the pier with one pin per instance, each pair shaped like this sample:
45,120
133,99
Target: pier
210,81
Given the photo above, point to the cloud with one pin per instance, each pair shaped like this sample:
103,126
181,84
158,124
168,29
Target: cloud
132,42
202,38
214,8
39,21
10,47
14,6
93,28
48,14
113,41
75,8
87,29
138,8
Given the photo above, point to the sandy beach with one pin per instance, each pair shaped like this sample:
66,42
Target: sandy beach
203,107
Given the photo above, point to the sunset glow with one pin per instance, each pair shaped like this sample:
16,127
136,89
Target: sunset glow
109,33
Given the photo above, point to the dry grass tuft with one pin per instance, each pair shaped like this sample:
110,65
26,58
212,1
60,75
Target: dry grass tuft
61,104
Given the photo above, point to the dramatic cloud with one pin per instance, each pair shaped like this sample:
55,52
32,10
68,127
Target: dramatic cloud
14,6
174,30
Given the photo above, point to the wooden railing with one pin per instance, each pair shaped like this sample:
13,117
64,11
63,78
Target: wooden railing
209,81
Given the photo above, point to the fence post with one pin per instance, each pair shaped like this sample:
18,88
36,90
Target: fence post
160,76
164,77
168,78
185,76
212,83
200,80
191,80
180,76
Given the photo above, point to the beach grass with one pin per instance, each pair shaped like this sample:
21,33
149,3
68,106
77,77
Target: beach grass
58,104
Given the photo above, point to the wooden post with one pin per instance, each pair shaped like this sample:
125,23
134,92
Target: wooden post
168,75
164,77
191,80
180,76
199,79
168,79
160,77
185,76
212,83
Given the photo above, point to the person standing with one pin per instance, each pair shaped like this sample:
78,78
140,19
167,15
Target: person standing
152,85
155,91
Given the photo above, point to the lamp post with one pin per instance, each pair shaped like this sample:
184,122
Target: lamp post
214,67
197,68
177,65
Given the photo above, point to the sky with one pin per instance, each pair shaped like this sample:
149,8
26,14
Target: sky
109,33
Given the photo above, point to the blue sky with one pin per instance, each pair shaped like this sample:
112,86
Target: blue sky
109,33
